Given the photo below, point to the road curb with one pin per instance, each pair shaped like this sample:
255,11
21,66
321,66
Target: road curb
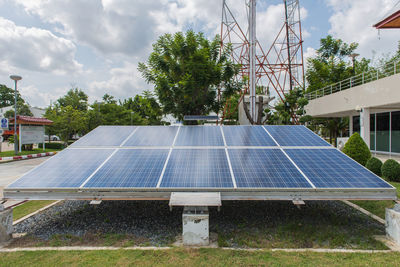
31,156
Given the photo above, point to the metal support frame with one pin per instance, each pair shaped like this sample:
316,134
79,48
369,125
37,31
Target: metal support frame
226,194
281,65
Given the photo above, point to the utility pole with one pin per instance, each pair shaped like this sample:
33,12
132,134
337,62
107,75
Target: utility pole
252,46
15,78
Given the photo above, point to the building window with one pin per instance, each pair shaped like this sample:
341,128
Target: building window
382,131
395,135
372,131
356,124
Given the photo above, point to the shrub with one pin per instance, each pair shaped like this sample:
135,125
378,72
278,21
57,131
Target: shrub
357,149
53,145
374,165
391,170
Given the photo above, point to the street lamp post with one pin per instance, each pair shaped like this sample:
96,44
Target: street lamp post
15,78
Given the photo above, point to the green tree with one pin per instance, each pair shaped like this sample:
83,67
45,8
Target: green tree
22,109
290,110
186,70
7,96
75,98
109,112
330,65
67,121
146,106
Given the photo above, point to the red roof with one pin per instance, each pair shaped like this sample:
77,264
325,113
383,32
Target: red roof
31,120
393,21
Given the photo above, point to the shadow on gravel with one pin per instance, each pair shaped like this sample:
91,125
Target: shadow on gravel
261,224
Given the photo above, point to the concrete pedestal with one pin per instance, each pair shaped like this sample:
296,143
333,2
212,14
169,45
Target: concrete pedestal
195,226
393,223
6,227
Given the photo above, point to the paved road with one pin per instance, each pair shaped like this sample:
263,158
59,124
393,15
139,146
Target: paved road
11,171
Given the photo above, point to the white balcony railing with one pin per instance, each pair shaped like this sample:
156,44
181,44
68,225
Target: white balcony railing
386,70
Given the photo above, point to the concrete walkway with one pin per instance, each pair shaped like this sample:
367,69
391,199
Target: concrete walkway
11,171
85,248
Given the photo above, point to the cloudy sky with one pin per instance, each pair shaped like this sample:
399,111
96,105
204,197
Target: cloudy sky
96,45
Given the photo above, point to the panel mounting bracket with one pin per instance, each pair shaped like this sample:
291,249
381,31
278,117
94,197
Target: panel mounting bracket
195,199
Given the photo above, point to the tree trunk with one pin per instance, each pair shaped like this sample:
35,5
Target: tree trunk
246,111
260,110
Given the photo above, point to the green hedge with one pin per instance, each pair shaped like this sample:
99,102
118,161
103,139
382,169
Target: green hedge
53,145
357,149
374,165
391,170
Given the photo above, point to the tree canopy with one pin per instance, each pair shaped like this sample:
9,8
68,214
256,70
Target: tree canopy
7,98
186,70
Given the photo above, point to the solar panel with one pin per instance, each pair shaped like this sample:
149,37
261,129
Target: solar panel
197,168
200,136
147,163
247,136
152,136
329,168
295,135
130,168
105,136
265,168
69,168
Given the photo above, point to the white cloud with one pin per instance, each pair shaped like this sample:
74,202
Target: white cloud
35,49
352,22
40,98
124,82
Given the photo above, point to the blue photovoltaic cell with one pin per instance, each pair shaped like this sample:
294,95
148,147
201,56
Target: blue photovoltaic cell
265,168
105,136
295,135
197,168
69,168
330,168
130,168
247,136
200,136
152,136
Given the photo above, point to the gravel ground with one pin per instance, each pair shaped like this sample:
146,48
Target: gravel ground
330,224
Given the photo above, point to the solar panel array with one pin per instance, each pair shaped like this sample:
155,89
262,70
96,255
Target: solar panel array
200,157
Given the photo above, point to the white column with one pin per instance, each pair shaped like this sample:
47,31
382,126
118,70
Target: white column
195,228
365,125
350,125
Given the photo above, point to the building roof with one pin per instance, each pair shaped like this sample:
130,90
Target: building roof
391,22
31,120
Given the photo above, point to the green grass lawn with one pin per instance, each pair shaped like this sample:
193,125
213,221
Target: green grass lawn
378,207
195,257
29,207
34,151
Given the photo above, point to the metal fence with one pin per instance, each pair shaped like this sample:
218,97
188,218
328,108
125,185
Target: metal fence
386,70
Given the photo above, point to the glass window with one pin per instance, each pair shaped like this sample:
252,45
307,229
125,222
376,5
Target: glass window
382,131
396,131
356,124
372,131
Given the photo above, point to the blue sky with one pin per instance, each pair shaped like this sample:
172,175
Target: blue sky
96,45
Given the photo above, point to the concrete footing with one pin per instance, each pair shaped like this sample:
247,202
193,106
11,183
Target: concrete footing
393,223
195,230
6,226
